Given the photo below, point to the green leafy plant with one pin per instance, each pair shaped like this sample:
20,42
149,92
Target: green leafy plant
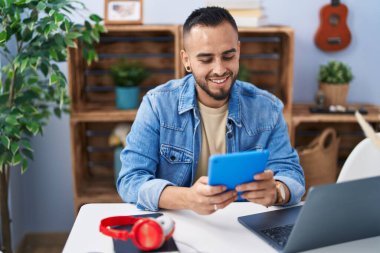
335,72
128,74
34,37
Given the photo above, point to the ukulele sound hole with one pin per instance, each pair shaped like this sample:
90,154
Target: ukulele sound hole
334,19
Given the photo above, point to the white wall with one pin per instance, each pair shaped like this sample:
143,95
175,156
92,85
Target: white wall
46,188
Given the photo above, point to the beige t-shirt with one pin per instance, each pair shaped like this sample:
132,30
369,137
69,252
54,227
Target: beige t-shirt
213,123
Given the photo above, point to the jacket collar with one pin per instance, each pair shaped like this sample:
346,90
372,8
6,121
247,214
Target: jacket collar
188,96
234,105
188,99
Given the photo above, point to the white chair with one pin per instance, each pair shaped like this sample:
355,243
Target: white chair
364,161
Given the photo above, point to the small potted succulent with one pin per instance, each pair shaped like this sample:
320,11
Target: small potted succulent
127,76
334,78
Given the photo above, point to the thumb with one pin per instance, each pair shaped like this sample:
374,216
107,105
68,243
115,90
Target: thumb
203,180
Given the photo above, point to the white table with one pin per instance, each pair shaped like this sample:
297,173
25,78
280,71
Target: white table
219,232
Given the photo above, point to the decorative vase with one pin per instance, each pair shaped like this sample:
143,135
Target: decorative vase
117,162
335,94
127,97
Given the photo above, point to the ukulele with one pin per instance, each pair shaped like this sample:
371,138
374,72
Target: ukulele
333,33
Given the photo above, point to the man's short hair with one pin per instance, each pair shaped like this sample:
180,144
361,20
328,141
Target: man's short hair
208,16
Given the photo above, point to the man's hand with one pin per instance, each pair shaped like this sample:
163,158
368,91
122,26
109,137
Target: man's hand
205,199
262,191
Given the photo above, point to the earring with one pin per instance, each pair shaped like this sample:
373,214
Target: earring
188,69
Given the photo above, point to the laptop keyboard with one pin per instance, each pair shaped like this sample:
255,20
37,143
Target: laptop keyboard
278,234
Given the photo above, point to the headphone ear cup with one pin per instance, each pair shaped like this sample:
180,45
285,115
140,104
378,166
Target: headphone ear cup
148,234
167,224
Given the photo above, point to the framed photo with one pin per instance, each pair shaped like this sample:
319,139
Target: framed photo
123,12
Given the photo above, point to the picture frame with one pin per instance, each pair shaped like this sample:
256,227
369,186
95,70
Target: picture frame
123,12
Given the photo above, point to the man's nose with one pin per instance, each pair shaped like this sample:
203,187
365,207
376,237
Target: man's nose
219,68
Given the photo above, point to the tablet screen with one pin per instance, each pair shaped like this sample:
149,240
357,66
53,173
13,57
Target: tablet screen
236,168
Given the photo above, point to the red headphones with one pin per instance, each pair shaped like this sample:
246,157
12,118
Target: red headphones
146,233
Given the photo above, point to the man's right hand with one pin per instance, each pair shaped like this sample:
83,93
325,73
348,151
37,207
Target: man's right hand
205,199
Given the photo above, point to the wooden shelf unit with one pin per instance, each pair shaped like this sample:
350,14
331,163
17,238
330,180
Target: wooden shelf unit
94,114
267,51
306,126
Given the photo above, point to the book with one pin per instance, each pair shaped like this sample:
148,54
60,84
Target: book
122,246
258,12
250,21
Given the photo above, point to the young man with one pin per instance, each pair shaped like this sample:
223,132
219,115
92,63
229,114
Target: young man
181,123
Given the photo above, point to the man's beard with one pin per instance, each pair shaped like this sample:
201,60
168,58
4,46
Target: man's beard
222,94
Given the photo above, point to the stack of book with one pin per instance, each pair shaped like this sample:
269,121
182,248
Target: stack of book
247,13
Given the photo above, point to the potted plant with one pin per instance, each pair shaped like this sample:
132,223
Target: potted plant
334,78
34,37
127,76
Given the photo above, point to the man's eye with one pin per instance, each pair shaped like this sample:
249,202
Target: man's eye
205,60
227,58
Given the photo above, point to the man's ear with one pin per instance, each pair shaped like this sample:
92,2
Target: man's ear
185,58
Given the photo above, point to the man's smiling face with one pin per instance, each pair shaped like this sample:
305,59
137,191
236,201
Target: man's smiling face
213,55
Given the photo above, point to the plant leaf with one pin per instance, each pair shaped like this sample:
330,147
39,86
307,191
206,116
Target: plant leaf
26,145
95,18
70,43
41,6
73,35
16,159
28,153
51,12
58,18
5,141
14,148
57,112
24,166
33,127
12,120
3,36
53,79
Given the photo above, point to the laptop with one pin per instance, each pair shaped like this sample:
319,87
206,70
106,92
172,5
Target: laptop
332,214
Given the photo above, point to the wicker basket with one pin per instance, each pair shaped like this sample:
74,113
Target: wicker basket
319,159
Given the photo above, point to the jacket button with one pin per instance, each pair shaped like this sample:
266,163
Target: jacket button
172,158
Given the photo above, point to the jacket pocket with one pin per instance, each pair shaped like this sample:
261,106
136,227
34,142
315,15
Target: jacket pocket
176,155
175,164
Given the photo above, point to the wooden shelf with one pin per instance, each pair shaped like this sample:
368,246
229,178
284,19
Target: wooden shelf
267,29
104,116
301,114
306,126
141,28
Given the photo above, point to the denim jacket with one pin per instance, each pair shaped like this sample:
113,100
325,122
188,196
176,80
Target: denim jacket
164,144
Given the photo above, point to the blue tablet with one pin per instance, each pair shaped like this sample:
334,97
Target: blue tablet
234,169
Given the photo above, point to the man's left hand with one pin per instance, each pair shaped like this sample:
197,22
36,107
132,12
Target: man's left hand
262,191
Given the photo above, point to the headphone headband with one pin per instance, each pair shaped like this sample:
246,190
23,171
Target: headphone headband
106,223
